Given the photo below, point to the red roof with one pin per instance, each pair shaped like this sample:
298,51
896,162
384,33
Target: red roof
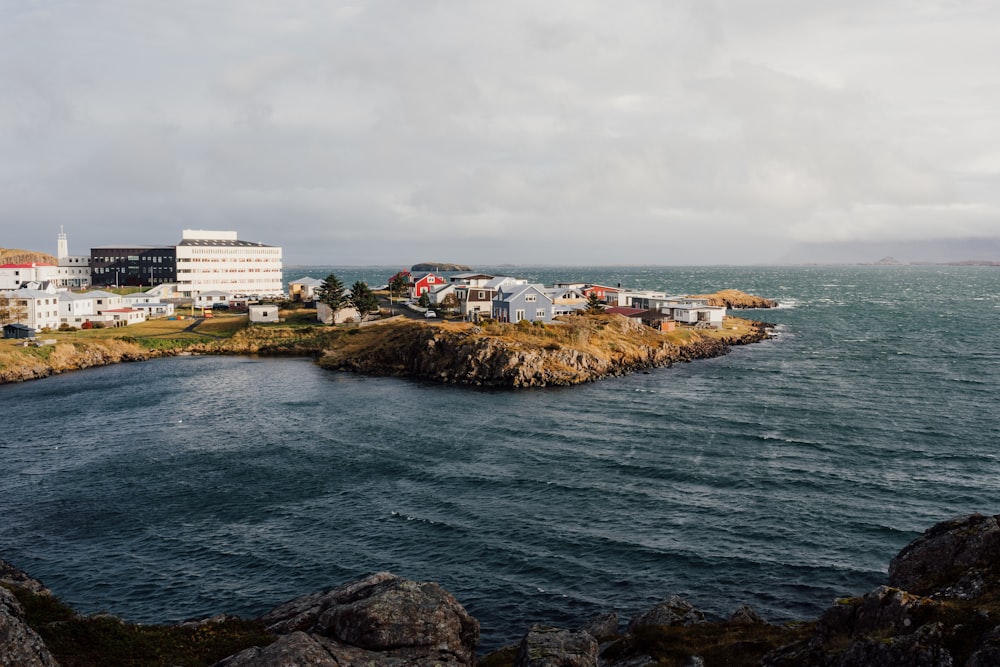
627,312
23,266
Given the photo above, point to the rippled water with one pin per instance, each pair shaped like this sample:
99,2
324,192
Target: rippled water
782,475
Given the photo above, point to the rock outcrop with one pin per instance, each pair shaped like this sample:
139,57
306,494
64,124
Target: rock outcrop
545,646
380,620
578,350
65,357
737,300
941,607
20,645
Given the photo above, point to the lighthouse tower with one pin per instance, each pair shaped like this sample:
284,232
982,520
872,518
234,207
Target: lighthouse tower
73,271
62,247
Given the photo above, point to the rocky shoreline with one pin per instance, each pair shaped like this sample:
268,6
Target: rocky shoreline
585,350
940,607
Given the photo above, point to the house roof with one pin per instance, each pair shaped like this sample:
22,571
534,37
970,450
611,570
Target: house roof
627,312
222,243
307,281
24,266
18,326
518,290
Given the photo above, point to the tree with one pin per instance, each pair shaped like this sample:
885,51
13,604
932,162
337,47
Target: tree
363,299
331,292
451,302
5,310
399,283
424,301
594,304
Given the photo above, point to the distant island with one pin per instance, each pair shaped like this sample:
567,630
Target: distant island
439,266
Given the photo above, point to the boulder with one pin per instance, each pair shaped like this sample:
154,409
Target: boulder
953,559
602,627
420,623
746,615
545,646
673,611
14,577
19,644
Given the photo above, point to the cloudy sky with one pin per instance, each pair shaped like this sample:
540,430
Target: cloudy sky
521,131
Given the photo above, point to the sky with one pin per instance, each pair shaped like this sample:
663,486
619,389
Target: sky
523,131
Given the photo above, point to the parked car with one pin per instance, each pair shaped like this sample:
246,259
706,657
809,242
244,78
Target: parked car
430,313
220,306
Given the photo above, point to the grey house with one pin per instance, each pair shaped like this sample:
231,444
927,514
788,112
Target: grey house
18,330
514,303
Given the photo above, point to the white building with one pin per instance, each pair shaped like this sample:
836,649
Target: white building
39,309
73,270
213,260
264,312
15,276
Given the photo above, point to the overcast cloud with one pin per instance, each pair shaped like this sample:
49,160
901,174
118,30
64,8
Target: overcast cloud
561,131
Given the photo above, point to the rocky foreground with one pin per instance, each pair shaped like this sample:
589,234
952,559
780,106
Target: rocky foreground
940,607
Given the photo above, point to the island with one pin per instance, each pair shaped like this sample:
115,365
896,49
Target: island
439,266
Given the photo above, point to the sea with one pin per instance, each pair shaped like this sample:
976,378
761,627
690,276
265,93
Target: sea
782,475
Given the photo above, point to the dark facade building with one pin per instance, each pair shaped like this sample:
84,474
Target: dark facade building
135,265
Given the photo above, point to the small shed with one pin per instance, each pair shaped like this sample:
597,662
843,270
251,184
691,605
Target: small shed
264,312
18,330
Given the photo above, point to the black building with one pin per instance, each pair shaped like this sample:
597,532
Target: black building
133,265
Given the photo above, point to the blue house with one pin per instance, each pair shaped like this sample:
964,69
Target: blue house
514,303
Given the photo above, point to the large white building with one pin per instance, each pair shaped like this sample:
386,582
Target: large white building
211,260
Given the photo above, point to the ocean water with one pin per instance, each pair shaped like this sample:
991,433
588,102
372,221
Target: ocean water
782,475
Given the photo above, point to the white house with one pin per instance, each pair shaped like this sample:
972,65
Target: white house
264,312
122,317
304,289
346,314
39,309
155,309
210,298
75,309
696,314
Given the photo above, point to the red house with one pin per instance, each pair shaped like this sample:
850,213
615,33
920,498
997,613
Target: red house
424,283
601,291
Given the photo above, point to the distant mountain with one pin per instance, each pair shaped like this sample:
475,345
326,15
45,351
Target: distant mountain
15,256
935,251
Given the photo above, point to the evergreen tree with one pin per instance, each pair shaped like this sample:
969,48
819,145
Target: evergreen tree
424,301
331,292
398,284
363,299
594,304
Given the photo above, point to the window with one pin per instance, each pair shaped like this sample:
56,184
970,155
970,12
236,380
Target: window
518,315
530,298
540,313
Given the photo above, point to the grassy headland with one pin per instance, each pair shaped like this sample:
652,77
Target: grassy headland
577,349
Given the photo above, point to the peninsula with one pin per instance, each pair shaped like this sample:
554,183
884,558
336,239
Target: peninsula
578,349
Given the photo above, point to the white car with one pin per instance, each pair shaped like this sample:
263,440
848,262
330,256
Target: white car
430,313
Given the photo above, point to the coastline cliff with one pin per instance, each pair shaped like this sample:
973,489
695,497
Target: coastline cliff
938,607
579,349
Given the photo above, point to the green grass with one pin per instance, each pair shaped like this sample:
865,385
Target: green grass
109,642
